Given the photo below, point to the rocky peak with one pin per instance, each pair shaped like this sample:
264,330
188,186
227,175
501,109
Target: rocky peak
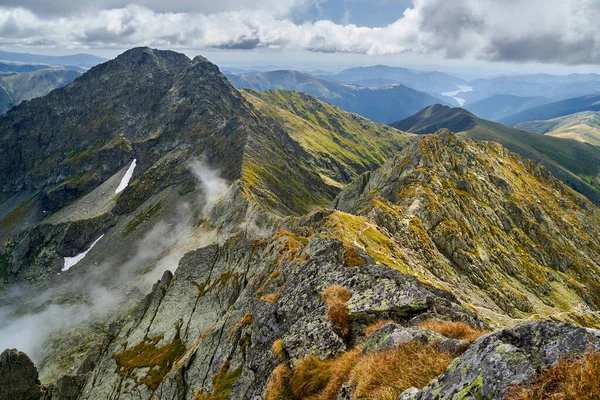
145,57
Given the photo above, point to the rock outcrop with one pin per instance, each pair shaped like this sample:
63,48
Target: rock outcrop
506,358
218,317
19,377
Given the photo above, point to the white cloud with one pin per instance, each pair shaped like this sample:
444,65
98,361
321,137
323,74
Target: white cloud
562,31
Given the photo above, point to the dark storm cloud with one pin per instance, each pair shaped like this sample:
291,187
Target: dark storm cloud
243,43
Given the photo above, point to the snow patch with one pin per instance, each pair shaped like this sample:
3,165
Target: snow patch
461,89
125,181
70,261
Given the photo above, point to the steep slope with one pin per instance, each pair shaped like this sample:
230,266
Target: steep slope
481,232
583,127
556,109
286,316
28,85
500,106
106,182
575,163
381,104
335,141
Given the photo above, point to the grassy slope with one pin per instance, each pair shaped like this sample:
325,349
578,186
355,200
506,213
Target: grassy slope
583,127
325,148
574,162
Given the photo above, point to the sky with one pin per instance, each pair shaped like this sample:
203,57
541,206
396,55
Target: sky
489,36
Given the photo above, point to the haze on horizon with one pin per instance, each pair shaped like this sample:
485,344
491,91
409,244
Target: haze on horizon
469,37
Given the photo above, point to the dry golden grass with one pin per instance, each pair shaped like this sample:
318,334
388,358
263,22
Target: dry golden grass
380,376
336,294
278,387
335,297
278,350
272,297
310,376
322,379
369,330
455,330
353,257
385,375
568,380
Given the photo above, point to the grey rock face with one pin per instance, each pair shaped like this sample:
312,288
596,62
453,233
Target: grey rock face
226,305
391,336
19,377
508,357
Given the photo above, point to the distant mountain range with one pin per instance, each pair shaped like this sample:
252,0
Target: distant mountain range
14,88
556,109
381,104
501,106
80,60
583,126
575,163
378,75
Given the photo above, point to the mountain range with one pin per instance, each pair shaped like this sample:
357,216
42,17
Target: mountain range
167,236
16,87
380,104
382,75
80,60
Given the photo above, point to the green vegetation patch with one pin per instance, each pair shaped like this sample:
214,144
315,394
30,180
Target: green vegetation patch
158,360
222,383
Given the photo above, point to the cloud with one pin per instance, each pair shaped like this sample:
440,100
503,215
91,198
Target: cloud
29,318
551,31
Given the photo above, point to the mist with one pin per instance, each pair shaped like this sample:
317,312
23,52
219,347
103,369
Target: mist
30,318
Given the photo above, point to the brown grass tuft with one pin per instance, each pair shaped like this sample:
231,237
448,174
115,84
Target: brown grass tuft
339,372
278,350
385,375
455,330
278,387
336,294
570,379
247,319
310,376
380,376
369,330
271,297
353,257
335,297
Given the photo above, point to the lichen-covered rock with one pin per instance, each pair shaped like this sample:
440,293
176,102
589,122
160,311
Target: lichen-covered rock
19,377
390,336
508,357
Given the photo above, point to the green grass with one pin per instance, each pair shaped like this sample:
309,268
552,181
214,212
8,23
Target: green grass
579,161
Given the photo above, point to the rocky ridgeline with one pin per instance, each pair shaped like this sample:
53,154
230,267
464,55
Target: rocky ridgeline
295,297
